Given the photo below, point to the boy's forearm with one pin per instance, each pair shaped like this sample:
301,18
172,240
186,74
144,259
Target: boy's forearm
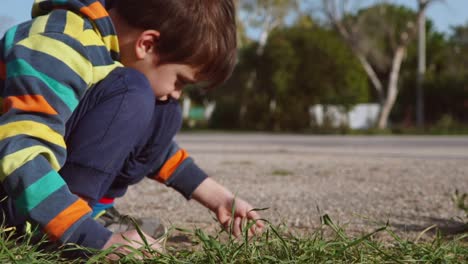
212,194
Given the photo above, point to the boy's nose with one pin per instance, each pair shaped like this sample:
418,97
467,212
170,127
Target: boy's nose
176,94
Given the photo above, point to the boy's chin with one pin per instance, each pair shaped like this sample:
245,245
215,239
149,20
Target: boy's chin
162,98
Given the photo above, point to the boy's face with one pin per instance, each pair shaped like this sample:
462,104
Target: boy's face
168,80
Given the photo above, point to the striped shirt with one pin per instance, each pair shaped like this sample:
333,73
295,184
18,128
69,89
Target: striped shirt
46,66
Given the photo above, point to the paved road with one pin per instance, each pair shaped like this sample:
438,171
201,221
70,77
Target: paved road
359,181
424,147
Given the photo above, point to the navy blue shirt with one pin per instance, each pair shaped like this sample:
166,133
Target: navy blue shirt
119,134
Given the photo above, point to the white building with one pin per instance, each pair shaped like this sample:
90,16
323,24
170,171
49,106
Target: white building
361,116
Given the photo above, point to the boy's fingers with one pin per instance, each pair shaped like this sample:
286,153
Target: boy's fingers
237,230
260,224
253,215
253,231
256,229
224,217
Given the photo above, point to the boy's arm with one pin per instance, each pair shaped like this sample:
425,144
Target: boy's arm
45,75
180,172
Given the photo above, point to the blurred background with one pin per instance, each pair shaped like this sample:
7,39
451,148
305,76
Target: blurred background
336,66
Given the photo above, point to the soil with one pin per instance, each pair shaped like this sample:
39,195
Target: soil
360,182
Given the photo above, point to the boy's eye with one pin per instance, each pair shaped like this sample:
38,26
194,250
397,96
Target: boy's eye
183,80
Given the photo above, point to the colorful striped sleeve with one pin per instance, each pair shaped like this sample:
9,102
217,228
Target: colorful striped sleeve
45,75
179,171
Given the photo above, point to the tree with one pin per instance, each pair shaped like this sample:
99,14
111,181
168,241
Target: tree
437,47
446,77
304,65
379,37
262,16
421,64
230,96
301,65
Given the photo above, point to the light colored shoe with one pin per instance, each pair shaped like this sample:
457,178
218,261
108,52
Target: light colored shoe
118,223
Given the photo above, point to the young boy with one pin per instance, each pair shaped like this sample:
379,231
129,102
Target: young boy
47,65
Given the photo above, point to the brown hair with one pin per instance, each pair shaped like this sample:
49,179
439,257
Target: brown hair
200,33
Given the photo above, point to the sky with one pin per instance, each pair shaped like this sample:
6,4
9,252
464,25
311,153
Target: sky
444,13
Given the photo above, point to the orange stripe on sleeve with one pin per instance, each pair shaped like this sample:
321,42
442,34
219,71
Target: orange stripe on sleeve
171,165
57,226
2,70
94,11
29,103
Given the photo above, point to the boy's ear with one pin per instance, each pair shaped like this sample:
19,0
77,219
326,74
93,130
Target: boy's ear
147,44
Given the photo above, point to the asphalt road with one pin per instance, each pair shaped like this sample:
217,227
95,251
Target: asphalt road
422,147
362,182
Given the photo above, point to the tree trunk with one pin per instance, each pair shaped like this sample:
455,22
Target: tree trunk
392,90
372,76
268,27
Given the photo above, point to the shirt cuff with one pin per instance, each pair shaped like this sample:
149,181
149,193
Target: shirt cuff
90,234
187,178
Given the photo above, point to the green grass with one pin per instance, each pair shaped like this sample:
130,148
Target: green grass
281,172
459,199
328,244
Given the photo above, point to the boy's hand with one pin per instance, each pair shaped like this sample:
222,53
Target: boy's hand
220,200
129,240
242,214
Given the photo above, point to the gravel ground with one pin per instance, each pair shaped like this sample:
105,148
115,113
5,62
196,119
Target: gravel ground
361,182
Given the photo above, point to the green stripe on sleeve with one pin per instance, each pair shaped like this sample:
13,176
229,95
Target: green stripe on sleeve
20,67
39,191
10,38
60,2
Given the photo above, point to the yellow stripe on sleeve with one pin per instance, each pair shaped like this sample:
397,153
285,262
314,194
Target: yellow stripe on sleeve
112,42
15,160
101,72
74,25
39,25
61,51
90,38
33,129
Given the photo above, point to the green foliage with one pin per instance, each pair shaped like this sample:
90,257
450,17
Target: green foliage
229,96
460,200
445,83
281,172
226,115
22,249
301,65
445,99
445,79
304,65
328,244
